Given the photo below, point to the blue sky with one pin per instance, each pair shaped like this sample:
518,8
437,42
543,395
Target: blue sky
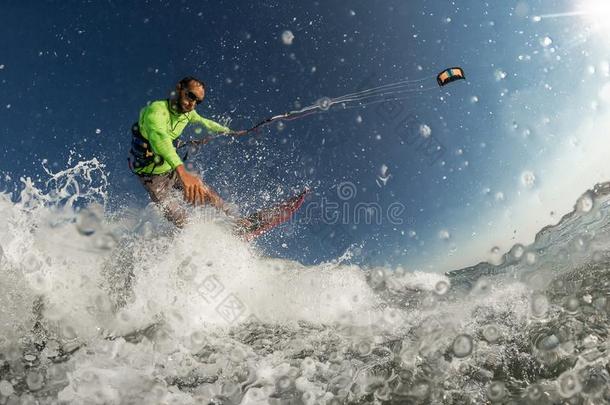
520,139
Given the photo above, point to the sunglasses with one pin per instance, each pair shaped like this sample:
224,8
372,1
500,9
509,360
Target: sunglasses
191,96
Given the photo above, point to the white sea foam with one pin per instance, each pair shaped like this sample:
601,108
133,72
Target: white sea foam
117,307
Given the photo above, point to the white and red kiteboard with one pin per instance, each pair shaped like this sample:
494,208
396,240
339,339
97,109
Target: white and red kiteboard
261,221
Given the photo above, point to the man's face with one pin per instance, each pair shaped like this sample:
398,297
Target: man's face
190,96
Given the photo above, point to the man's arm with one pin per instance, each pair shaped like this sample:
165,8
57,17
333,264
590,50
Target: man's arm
210,125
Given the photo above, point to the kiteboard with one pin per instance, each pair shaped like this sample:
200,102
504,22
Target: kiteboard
257,223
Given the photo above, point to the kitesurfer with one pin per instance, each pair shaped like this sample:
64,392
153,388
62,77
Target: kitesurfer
155,160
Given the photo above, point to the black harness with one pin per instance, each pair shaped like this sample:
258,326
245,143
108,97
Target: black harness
141,154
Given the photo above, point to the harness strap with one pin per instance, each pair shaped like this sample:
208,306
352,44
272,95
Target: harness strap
141,154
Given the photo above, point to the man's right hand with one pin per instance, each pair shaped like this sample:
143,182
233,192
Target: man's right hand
195,192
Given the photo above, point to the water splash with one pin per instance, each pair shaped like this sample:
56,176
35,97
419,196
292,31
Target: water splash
150,319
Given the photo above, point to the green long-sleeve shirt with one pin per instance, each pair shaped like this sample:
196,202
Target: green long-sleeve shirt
161,125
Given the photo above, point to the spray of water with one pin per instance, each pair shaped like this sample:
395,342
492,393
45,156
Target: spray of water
113,308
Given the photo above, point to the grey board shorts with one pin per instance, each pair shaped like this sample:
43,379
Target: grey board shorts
160,187
162,190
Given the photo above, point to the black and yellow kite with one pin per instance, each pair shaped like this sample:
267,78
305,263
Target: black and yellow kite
450,75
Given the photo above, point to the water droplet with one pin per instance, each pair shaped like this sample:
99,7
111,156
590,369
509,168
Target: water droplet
284,383
425,131
546,41
585,203
517,251
536,18
528,179
324,103
568,384
572,305
499,75
491,333
68,332
383,170
442,287
539,305
377,277
462,346
495,256
444,234
308,364
364,348
6,388
309,398
287,37
547,342
496,391
534,392
197,339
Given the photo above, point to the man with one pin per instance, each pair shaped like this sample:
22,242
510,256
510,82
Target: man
153,155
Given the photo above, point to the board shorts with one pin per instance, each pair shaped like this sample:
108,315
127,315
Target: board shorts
163,190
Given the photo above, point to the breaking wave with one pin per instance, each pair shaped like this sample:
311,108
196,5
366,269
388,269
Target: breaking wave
116,307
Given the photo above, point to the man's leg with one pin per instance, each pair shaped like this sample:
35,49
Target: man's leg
160,189
212,198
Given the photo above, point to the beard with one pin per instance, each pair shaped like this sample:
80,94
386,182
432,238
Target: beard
178,106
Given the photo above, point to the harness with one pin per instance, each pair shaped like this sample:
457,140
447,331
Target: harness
141,154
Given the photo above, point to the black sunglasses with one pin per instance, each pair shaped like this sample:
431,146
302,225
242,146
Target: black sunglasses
191,96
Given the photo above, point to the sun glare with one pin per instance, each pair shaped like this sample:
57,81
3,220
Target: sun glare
597,13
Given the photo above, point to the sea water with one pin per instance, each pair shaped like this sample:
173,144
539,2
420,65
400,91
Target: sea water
103,307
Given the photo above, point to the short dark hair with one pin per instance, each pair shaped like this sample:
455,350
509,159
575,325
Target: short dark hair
184,82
